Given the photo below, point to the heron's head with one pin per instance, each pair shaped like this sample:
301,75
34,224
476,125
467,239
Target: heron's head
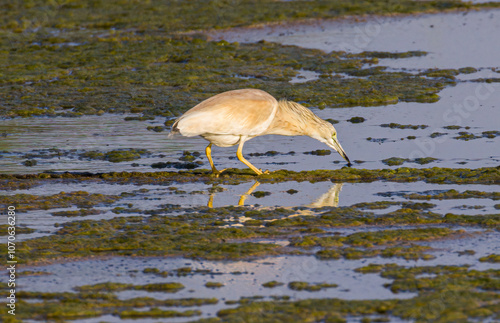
329,137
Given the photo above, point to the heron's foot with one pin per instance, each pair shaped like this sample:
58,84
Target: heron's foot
260,172
266,172
216,172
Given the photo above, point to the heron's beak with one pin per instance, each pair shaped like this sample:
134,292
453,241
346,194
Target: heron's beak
338,148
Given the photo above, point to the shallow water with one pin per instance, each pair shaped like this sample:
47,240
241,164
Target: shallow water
458,39
458,106
352,285
189,195
453,40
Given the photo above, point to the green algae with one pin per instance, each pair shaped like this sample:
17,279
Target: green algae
490,134
272,284
156,312
379,205
142,64
467,252
30,162
177,165
80,212
156,272
214,285
371,239
487,80
397,243
453,194
269,153
35,273
204,235
25,202
69,306
441,73
491,258
408,252
470,207
346,216
439,277
451,294
319,152
189,156
115,156
260,194
424,160
194,69
297,285
356,120
19,230
244,300
149,236
487,175
178,16
403,126
201,233
369,269
467,70
183,271
398,161
171,287
394,161
452,127
454,289
413,53
463,135
437,134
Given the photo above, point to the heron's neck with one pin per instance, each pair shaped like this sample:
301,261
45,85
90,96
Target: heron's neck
292,119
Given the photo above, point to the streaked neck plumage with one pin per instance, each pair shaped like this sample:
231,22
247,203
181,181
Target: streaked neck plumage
292,119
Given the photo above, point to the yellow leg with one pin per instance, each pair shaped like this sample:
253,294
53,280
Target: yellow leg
210,203
208,151
244,161
241,202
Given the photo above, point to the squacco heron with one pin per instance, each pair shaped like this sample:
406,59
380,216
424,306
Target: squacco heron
234,117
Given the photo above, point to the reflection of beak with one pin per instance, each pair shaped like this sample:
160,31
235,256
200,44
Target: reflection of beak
336,145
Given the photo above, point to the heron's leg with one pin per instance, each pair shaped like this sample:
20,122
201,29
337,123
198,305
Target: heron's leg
241,202
243,160
210,203
208,151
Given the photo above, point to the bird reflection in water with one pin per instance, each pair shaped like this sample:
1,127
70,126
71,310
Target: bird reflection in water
243,197
329,198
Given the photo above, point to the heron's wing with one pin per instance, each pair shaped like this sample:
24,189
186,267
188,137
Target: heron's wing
245,112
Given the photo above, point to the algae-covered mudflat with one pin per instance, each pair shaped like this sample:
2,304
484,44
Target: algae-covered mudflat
115,222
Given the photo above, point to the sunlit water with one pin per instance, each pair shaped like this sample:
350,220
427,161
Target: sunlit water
458,106
453,40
